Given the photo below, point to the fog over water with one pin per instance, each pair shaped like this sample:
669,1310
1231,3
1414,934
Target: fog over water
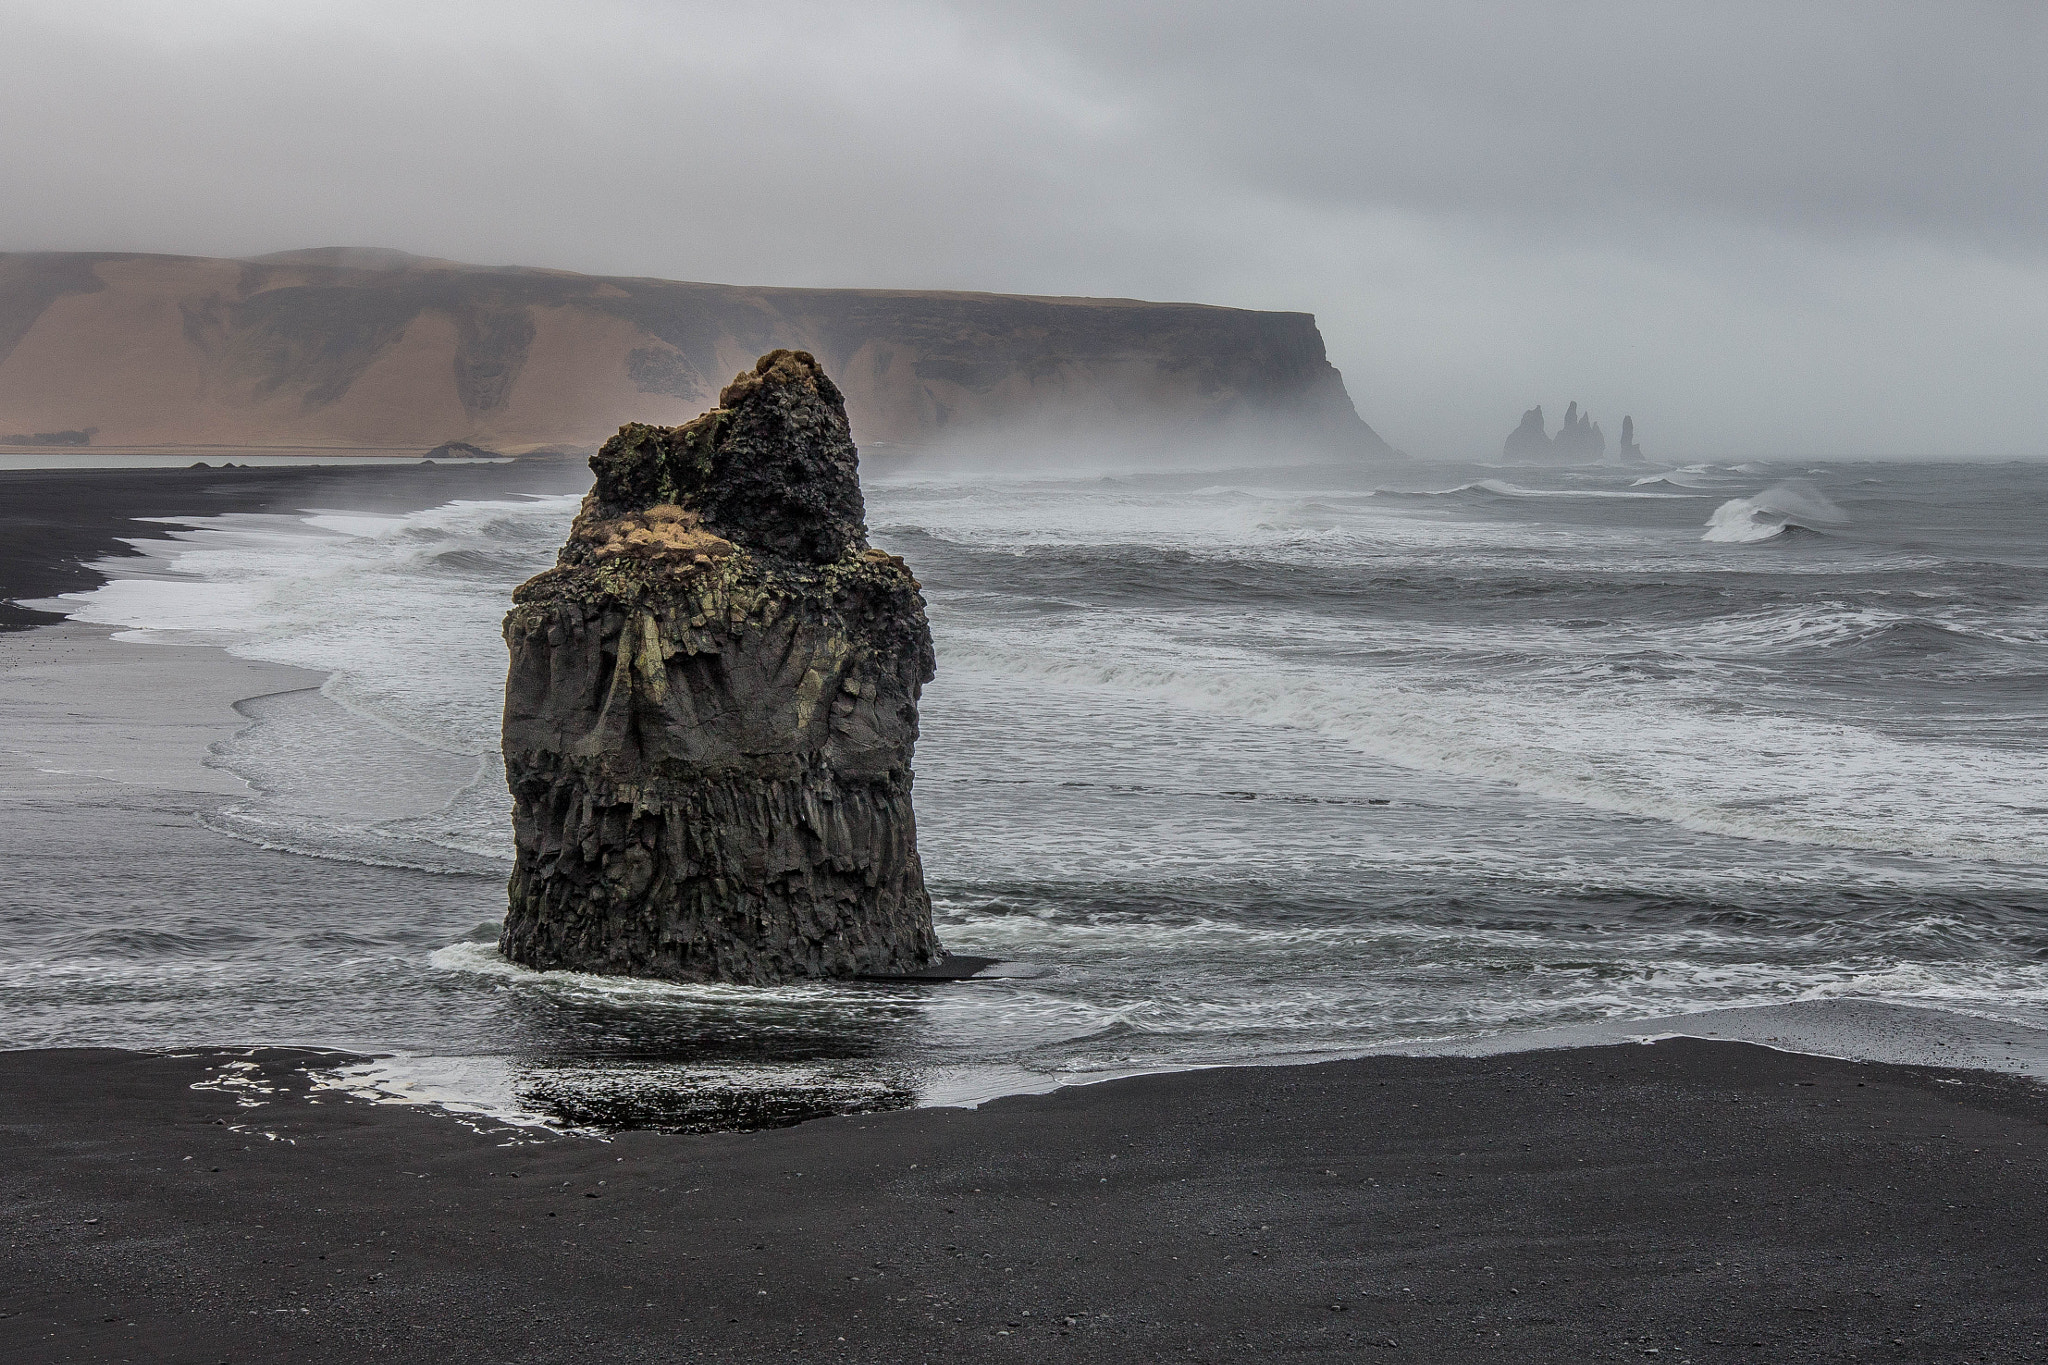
1764,230
1260,765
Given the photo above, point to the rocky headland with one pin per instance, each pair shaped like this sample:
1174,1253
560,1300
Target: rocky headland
712,706
378,349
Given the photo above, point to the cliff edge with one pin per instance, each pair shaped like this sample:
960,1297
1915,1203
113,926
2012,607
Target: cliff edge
712,705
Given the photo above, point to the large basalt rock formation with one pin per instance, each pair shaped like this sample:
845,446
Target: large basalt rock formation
712,705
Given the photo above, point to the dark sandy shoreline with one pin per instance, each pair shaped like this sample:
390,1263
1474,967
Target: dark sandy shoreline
1682,1201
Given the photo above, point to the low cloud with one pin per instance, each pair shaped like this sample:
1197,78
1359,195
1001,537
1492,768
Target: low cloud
1762,229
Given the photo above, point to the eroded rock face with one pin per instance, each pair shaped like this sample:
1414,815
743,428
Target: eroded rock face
712,706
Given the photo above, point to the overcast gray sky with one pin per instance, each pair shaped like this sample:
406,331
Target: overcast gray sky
1763,229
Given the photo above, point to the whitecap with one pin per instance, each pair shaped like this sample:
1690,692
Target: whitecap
1794,504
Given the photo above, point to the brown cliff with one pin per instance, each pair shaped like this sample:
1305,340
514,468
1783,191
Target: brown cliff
380,349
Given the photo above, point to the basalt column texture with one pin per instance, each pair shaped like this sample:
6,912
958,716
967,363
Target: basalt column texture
712,706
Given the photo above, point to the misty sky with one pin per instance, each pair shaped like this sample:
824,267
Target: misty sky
1763,229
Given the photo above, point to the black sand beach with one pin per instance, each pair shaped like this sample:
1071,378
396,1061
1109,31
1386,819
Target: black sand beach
1683,1201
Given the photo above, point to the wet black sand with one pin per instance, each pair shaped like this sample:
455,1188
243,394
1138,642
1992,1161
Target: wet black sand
55,522
1683,1201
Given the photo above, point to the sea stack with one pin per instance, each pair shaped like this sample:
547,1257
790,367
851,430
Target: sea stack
1630,451
1528,443
712,706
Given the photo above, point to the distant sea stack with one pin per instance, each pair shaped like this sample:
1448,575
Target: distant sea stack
1630,452
712,705
1579,441
379,349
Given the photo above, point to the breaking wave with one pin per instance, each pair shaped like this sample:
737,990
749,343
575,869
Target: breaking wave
1795,506
1501,488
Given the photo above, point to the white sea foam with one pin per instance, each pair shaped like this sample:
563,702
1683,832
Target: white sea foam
402,612
394,607
1673,479
1672,750
1781,507
483,1091
484,959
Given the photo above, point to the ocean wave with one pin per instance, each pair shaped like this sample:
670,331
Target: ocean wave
1559,941
335,841
1846,628
484,960
1668,757
1794,506
1502,488
1233,1008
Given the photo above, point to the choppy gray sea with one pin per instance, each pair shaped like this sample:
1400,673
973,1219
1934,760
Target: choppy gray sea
1259,765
